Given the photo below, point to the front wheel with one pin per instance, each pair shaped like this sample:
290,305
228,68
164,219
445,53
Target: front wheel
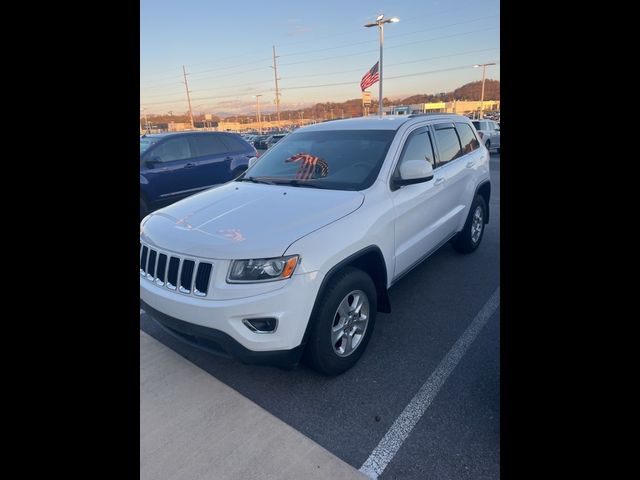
343,324
488,144
469,238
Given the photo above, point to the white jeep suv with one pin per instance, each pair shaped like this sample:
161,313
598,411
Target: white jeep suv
295,256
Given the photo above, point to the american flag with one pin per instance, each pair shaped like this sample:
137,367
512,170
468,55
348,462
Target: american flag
371,77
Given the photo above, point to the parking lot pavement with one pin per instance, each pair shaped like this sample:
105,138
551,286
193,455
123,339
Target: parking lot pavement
193,426
458,434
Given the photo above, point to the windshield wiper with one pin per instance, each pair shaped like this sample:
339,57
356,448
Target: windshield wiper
256,180
299,183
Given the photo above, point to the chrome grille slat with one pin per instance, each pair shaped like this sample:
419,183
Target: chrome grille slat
157,267
162,258
143,260
178,286
202,277
152,259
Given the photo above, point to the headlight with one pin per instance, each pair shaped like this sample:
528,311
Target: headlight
262,270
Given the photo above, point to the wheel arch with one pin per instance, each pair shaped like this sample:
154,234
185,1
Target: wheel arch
370,260
484,190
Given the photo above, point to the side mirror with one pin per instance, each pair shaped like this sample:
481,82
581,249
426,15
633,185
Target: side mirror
151,162
414,171
252,161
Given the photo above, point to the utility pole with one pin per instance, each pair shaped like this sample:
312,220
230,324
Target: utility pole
258,119
275,73
146,121
184,72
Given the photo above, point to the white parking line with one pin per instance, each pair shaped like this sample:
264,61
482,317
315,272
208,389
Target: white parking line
402,427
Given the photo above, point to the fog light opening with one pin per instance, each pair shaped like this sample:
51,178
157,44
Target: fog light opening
261,325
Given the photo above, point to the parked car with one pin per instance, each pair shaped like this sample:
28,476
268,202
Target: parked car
489,132
273,139
176,165
296,255
260,142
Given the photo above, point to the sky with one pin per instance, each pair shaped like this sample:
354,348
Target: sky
323,50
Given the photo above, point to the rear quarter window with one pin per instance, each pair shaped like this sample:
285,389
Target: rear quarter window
467,137
235,144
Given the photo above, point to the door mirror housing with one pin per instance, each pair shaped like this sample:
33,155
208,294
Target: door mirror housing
414,171
252,161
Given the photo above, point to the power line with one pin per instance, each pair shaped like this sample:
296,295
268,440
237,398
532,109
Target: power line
395,64
251,84
390,36
393,46
351,82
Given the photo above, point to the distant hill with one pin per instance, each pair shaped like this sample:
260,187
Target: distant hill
353,107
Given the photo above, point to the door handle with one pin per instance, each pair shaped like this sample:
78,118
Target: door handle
439,181
471,164
190,165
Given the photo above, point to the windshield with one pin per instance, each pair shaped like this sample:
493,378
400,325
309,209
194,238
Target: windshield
338,160
146,142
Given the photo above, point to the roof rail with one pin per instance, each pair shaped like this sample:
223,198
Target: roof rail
430,114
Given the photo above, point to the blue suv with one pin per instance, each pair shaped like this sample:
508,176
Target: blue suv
176,165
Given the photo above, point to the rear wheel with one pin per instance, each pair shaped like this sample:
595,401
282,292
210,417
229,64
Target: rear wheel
471,235
343,324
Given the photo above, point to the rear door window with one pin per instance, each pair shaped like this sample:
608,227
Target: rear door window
448,143
204,145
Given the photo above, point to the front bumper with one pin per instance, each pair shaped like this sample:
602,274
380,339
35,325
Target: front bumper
204,322
219,343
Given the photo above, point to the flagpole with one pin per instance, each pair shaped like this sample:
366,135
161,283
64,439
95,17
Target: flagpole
381,25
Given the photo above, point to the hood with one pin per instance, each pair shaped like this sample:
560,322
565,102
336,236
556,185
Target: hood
245,220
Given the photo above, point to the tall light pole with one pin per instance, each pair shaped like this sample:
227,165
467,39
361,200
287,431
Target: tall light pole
484,66
258,112
380,21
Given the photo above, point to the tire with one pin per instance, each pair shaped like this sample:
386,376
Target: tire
144,211
464,242
488,144
321,353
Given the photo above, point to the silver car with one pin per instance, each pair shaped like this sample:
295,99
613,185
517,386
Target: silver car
489,133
